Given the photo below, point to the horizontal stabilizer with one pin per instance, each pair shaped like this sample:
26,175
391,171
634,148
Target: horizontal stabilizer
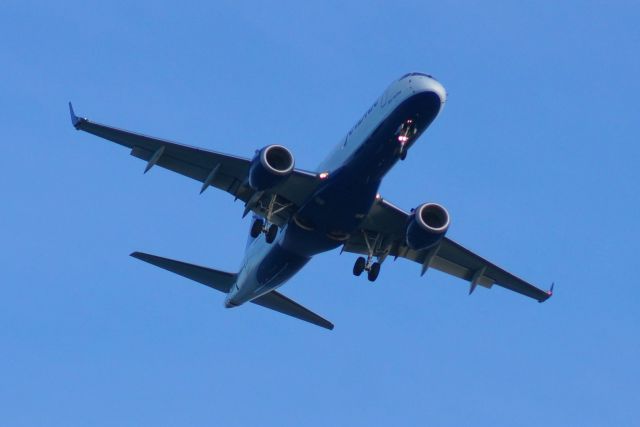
278,302
219,280
223,281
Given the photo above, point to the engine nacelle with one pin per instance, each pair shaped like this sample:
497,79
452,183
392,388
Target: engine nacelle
270,166
427,226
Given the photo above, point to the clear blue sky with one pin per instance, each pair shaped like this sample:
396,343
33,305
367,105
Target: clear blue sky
535,155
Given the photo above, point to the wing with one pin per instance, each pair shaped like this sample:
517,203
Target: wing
223,171
383,230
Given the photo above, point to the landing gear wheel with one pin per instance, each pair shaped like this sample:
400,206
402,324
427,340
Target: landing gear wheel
272,232
359,266
256,228
374,271
403,155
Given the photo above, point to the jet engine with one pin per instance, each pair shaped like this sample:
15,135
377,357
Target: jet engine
271,165
427,226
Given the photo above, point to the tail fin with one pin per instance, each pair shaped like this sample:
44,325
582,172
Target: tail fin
223,281
219,280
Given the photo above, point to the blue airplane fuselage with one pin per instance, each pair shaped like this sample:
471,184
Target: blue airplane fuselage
353,172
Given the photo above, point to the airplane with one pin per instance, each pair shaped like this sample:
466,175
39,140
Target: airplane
299,213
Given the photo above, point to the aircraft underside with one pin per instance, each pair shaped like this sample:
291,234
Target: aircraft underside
298,214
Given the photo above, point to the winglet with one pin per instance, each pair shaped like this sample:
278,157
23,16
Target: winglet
75,120
549,293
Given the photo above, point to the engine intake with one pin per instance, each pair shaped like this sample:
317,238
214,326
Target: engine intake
271,165
427,226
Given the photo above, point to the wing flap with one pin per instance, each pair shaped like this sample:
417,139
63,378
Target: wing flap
278,302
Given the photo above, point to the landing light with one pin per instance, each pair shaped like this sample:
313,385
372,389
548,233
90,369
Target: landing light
403,138
323,175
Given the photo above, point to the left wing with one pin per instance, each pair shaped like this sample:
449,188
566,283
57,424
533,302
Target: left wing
383,231
223,171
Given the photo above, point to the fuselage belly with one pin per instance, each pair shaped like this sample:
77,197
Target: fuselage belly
354,171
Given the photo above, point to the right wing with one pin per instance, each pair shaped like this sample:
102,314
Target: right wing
388,222
226,172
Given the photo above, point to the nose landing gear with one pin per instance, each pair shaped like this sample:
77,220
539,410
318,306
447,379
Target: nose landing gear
405,132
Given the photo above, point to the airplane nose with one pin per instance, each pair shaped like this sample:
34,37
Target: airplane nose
438,89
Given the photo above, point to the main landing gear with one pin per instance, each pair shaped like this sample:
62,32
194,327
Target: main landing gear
372,268
259,227
267,227
367,264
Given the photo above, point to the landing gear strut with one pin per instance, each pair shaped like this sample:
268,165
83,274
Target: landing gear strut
367,264
405,132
